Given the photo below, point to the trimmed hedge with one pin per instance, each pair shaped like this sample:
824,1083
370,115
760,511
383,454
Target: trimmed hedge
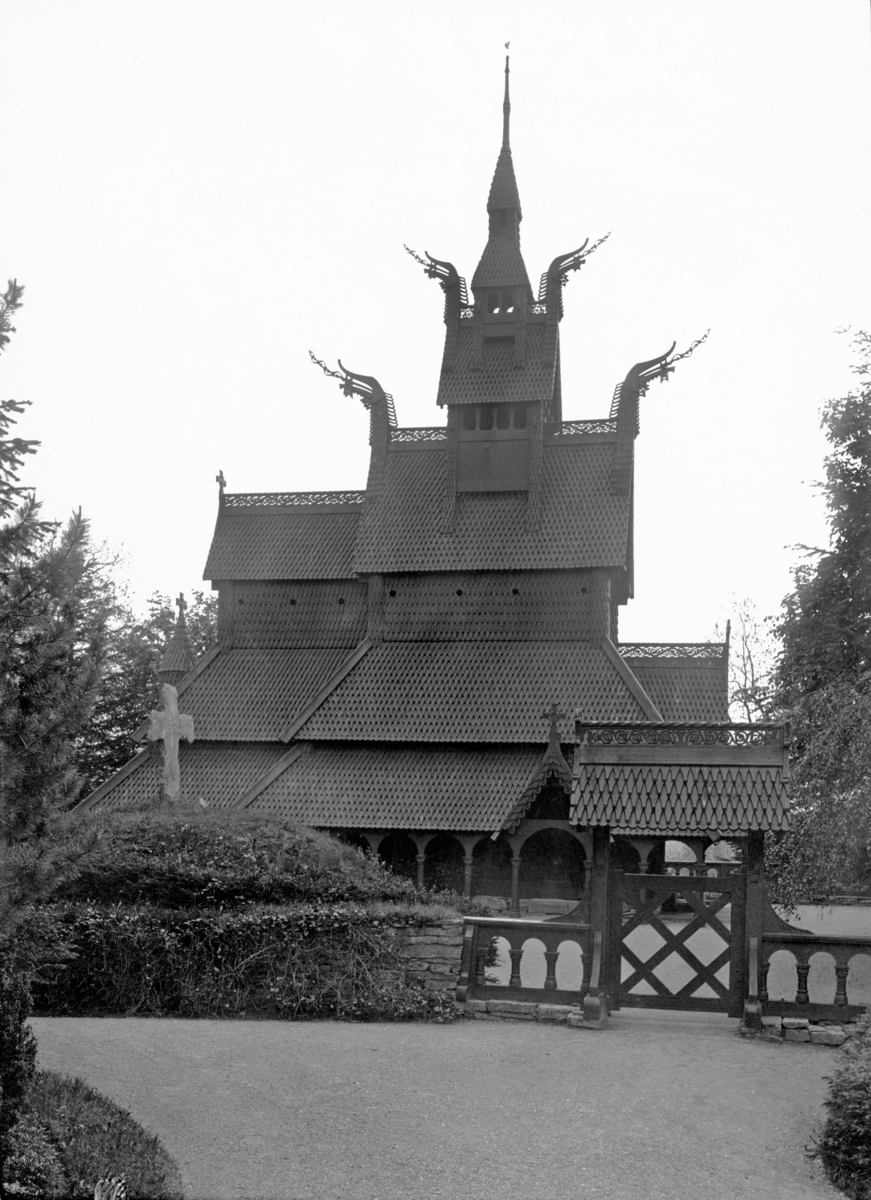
17,1052
845,1147
308,961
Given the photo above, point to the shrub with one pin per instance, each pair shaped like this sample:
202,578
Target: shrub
93,1134
32,1164
187,861
302,962
845,1147
17,1051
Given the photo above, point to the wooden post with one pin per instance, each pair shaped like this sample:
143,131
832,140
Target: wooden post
468,862
754,913
596,999
421,860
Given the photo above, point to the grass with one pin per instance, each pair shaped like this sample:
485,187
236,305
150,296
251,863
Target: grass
94,1138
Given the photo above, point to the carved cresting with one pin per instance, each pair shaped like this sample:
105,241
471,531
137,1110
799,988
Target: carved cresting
550,291
456,301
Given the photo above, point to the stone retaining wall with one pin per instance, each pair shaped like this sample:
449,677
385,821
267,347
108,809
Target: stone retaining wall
801,1029
431,953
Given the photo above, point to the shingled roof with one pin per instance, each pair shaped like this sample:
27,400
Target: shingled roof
685,691
582,524
283,542
495,378
217,772
463,692
407,787
692,778
251,695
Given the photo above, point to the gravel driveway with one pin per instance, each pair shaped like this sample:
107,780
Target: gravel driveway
665,1106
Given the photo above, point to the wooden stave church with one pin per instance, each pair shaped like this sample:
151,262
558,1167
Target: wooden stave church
397,665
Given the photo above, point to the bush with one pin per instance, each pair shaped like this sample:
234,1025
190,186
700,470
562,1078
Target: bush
845,1147
308,961
17,1051
205,861
32,1164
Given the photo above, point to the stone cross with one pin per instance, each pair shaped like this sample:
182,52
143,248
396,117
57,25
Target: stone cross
182,605
169,726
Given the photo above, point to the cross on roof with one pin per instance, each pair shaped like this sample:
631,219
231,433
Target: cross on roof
553,715
169,726
220,480
182,607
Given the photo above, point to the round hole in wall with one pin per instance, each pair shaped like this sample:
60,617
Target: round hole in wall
459,591
293,601
240,601
341,600
515,591
392,592
583,591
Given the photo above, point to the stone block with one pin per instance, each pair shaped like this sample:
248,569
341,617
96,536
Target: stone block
772,1023
431,950
476,1006
796,1035
554,1012
795,1023
512,1007
578,1022
827,1037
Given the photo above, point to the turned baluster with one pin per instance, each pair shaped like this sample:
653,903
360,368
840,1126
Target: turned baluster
803,970
516,956
841,973
480,963
763,981
550,957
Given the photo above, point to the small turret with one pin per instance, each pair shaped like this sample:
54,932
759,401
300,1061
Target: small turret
178,657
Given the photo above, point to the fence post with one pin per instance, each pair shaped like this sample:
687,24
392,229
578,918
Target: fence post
596,999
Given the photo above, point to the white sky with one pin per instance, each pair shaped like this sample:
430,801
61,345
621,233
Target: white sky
196,193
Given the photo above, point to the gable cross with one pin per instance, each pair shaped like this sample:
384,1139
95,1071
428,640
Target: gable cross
182,607
169,726
554,715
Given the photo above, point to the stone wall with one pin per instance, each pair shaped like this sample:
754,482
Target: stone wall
432,953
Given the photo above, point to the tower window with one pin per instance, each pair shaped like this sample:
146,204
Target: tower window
493,304
508,302
503,417
486,418
469,418
519,416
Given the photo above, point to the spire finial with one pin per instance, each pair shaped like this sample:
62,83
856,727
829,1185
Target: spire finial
182,605
506,106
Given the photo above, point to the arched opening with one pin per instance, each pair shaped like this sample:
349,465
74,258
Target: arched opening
491,868
552,866
625,857
398,852
443,867
552,804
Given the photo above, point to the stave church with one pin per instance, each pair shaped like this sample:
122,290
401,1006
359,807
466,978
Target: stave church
432,667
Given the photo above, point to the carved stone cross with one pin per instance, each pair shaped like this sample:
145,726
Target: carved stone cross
169,726
554,715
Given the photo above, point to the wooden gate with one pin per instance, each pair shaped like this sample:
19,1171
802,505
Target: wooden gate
691,957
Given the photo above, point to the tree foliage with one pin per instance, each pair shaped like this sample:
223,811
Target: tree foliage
823,674
48,678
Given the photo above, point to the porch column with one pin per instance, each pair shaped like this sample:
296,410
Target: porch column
514,908
421,859
468,841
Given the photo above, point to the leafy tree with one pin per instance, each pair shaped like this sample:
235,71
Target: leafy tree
823,675
47,678
133,647
752,651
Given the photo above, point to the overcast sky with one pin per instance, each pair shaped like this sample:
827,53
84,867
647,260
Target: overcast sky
195,194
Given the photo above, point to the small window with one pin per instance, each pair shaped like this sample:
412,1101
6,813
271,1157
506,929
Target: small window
392,592
293,601
240,601
493,305
341,599
520,416
459,591
486,418
515,591
508,302
503,417
469,416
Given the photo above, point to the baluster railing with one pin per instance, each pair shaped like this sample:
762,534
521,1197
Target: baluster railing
481,932
802,947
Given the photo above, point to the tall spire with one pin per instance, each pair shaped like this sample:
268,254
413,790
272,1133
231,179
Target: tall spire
506,110
501,264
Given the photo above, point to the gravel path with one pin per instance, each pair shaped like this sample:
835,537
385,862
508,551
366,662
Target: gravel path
676,1107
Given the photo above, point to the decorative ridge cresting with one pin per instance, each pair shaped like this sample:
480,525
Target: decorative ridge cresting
666,650
423,433
569,428
290,499
681,733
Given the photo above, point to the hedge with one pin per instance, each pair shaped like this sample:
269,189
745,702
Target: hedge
307,961
845,1146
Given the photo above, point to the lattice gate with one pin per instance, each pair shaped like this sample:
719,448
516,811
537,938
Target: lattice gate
677,941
